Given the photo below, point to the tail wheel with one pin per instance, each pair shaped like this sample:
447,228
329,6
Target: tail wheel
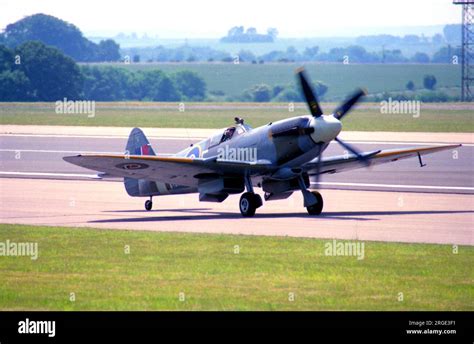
317,208
148,205
249,202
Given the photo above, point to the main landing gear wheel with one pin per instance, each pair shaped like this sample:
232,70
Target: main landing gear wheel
249,202
148,205
317,208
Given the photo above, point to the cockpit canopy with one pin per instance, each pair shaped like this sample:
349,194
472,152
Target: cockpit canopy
222,135
227,134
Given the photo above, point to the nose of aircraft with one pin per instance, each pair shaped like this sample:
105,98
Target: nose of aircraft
326,128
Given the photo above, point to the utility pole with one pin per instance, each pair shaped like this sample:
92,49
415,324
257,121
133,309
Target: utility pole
467,49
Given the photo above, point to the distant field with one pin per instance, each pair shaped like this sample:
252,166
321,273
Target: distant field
454,117
93,265
341,79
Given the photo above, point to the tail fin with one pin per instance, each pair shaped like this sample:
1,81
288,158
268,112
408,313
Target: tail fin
138,144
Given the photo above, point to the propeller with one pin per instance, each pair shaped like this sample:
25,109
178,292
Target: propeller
354,151
309,95
339,113
345,107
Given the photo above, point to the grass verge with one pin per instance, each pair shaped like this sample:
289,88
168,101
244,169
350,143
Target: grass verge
219,115
93,265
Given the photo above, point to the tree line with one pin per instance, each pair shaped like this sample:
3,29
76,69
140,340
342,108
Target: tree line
353,53
36,72
238,34
62,35
279,93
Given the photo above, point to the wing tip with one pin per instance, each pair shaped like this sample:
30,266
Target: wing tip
71,157
454,145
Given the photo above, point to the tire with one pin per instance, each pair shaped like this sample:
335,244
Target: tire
148,205
317,208
258,200
248,204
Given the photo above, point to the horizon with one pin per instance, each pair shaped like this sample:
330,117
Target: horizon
426,30
372,17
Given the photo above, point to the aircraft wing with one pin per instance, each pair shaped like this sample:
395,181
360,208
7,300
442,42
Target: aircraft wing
183,170
342,163
167,169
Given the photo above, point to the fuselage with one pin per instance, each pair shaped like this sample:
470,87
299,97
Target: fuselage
285,145
287,142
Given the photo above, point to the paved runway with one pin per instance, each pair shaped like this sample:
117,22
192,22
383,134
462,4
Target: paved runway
362,215
431,204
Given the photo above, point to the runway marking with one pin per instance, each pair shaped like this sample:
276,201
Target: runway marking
396,186
47,174
203,137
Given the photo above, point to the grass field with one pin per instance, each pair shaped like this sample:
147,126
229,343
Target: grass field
93,265
433,117
341,79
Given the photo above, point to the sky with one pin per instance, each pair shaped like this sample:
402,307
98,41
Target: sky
213,18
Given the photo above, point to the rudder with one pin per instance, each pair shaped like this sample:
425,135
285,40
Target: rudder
138,144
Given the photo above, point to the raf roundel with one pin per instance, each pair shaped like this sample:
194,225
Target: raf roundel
132,166
195,152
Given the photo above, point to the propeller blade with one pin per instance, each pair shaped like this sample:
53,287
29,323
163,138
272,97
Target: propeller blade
345,107
309,95
353,150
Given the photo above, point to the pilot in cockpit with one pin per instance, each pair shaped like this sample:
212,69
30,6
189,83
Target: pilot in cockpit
228,133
